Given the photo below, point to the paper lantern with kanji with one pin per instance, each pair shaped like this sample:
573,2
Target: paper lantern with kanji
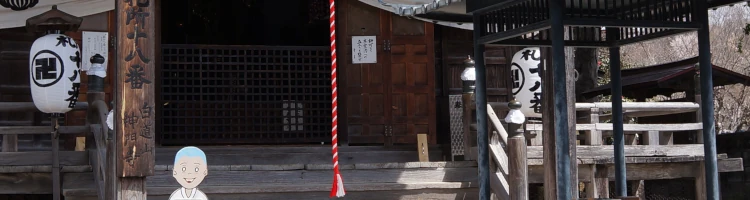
525,70
54,73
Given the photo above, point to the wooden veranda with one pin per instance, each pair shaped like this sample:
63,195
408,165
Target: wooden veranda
577,23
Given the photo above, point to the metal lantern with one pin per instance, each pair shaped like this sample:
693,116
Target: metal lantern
469,76
18,5
54,70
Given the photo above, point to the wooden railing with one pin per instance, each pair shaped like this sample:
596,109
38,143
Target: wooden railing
101,157
10,137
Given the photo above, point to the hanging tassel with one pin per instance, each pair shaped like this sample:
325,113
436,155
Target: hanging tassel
338,184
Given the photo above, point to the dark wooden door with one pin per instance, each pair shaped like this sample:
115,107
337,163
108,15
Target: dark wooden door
367,108
392,100
412,86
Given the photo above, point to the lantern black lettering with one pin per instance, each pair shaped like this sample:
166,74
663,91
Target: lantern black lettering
528,53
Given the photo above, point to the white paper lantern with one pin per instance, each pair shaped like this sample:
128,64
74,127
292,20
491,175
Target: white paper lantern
54,73
526,80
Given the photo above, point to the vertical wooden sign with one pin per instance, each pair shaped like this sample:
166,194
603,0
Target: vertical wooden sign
134,92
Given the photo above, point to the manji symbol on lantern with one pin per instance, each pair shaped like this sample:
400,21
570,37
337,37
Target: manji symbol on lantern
527,84
54,69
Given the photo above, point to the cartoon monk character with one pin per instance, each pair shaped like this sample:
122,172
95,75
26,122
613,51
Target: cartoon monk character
190,167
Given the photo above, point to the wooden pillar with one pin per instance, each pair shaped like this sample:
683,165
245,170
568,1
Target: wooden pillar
134,95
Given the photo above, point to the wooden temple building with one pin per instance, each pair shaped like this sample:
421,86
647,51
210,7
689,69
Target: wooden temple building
249,83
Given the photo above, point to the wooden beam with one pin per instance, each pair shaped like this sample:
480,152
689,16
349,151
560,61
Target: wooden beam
75,158
590,22
606,151
10,143
499,36
651,171
653,127
23,130
629,127
30,107
25,183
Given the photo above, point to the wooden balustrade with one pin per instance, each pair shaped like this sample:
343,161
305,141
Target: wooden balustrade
503,166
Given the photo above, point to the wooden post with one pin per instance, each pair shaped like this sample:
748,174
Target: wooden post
10,143
517,161
651,138
594,137
698,113
599,186
700,180
548,142
467,122
423,147
134,95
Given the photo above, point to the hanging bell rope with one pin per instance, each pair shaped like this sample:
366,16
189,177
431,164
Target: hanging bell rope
18,5
338,184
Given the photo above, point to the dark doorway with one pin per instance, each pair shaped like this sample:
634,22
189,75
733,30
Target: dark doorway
245,72
245,22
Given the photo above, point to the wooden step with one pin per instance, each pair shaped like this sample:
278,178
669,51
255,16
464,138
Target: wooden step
297,181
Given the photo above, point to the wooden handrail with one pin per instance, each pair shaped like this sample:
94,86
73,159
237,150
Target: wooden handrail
629,127
497,124
626,106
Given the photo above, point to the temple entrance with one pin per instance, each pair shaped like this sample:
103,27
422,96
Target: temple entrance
244,72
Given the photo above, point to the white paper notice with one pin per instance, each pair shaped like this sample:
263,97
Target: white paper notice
94,43
363,49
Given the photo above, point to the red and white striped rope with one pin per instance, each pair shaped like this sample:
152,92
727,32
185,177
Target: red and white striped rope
338,184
